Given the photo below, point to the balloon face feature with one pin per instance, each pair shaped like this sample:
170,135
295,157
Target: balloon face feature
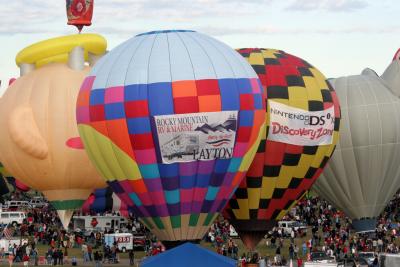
302,129
172,120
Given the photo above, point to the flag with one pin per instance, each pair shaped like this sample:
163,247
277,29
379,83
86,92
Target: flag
8,232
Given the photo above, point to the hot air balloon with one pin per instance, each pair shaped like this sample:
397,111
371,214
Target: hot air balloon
105,200
79,13
364,173
172,120
39,142
293,150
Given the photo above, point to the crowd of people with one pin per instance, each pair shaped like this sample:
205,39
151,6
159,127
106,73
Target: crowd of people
329,232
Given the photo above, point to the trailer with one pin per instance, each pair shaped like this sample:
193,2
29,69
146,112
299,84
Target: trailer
99,223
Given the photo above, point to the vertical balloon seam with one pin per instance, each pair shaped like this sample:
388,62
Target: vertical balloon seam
158,166
363,185
123,47
149,223
198,43
350,139
164,228
33,83
394,104
234,75
342,184
368,185
102,152
194,191
249,151
195,233
247,201
335,134
252,147
387,197
358,180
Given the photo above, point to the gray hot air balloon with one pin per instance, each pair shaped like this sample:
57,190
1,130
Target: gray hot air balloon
364,172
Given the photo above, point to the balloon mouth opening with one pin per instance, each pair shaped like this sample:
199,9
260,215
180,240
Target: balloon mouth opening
162,31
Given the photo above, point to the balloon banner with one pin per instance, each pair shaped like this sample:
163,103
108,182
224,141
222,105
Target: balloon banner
196,136
300,127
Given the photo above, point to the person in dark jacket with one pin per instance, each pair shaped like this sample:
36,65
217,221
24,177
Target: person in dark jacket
131,257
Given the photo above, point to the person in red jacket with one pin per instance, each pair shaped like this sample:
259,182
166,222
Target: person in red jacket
299,262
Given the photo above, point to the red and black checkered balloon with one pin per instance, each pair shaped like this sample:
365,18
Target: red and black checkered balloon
281,173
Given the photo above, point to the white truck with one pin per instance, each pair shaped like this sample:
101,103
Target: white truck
124,241
288,226
12,217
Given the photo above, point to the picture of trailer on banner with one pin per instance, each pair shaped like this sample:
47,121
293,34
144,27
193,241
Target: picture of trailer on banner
300,127
196,136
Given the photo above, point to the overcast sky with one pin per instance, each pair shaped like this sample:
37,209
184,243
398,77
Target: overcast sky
340,37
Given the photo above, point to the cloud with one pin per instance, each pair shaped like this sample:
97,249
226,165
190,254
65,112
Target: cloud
35,16
365,30
327,5
177,10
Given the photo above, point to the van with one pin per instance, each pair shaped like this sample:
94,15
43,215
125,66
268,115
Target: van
37,203
288,226
124,241
17,205
12,217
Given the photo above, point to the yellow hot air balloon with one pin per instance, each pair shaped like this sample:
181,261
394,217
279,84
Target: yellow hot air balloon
38,134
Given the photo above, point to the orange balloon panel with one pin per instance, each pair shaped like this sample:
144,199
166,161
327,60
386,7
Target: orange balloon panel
38,136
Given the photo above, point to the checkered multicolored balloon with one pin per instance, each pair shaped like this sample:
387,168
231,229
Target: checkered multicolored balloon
281,173
104,200
172,120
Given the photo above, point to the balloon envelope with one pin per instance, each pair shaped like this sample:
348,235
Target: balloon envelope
37,118
104,200
283,168
80,12
172,120
364,172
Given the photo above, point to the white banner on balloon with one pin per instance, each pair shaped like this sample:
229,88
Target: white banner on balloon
196,136
300,127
